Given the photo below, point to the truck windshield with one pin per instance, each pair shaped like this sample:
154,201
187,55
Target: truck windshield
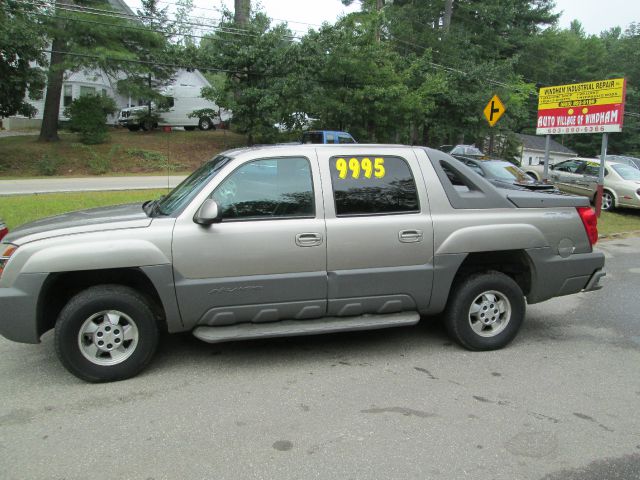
190,186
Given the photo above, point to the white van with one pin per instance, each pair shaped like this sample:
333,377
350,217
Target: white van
181,100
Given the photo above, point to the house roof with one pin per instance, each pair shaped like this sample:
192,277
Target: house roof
537,142
121,6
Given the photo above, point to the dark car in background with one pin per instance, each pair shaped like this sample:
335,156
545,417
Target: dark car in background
504,174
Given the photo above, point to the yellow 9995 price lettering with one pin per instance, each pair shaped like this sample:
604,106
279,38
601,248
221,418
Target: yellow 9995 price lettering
365,167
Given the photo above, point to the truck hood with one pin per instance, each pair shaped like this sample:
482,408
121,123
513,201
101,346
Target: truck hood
92,220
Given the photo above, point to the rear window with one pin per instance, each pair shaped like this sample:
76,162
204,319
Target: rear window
373,185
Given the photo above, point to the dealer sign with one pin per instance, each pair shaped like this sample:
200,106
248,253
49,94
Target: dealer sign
590,107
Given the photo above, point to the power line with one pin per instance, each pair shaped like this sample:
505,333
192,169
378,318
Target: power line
134,17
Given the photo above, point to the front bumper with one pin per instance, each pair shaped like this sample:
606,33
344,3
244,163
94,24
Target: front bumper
19,308
555,276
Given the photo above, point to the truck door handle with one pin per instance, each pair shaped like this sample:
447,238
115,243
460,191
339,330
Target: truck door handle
308,239
410,236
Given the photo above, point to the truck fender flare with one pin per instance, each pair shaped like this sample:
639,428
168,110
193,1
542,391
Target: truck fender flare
486,238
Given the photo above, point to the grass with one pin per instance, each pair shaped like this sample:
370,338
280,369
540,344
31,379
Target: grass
619,221
19,209
124,153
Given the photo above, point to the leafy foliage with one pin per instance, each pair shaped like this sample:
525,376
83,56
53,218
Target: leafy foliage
21,57
88,116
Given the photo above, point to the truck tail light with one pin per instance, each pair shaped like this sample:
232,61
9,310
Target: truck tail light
590,222
5,255
3,231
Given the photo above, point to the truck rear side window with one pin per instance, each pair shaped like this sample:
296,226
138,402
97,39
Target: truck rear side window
373,185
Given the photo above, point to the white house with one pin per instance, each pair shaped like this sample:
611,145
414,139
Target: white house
94,82
533,148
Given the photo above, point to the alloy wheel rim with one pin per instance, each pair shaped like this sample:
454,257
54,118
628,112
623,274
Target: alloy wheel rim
489,313
108,337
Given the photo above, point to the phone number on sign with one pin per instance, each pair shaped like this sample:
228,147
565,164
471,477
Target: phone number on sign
581,129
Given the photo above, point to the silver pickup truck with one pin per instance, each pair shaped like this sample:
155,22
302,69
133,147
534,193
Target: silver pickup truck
295,240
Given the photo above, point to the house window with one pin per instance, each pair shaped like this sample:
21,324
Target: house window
67,96
87,91
104,92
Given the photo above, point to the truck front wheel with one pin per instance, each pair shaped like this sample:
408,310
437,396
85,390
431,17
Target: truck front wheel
485,311
106,333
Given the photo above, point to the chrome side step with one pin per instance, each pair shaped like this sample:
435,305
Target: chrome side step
289,328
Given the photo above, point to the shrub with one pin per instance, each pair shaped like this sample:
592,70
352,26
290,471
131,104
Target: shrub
88,117
48,165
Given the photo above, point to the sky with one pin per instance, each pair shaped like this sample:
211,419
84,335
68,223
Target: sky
595,15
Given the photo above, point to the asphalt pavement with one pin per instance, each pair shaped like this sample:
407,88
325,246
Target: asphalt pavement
560,403
86,184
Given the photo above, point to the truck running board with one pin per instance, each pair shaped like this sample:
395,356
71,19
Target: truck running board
290,328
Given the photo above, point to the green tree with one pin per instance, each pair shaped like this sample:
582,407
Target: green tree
99,38
258,62
21,57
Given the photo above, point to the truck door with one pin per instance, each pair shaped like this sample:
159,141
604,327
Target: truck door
379,230
266,260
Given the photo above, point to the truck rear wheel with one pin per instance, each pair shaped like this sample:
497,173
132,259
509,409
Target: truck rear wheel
485,311
106,333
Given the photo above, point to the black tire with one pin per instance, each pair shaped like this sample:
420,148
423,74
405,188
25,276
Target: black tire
479,289
92,303
190,128
133,128
205,123
608,201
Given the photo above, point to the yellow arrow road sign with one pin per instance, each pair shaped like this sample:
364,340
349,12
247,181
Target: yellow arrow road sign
494,110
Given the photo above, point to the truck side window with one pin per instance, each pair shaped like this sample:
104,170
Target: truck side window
267,189
371,185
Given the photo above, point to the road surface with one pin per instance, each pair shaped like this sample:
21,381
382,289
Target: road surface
560,403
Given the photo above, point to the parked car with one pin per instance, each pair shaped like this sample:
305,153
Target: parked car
290,240
631,161
327,136
580,177
467,151
3,229
504,174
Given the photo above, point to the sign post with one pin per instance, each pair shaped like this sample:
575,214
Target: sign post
589,107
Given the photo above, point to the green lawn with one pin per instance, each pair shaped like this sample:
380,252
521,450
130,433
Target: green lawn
18,209
619,221
124,153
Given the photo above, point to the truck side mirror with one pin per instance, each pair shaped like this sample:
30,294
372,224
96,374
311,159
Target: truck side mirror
208,213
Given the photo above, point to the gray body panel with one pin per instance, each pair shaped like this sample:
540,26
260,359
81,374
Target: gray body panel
259,273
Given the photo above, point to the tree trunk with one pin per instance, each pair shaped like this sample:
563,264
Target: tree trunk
49,128
379,4
242,12
448,11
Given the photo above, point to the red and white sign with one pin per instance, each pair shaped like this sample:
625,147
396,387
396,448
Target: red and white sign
590,107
